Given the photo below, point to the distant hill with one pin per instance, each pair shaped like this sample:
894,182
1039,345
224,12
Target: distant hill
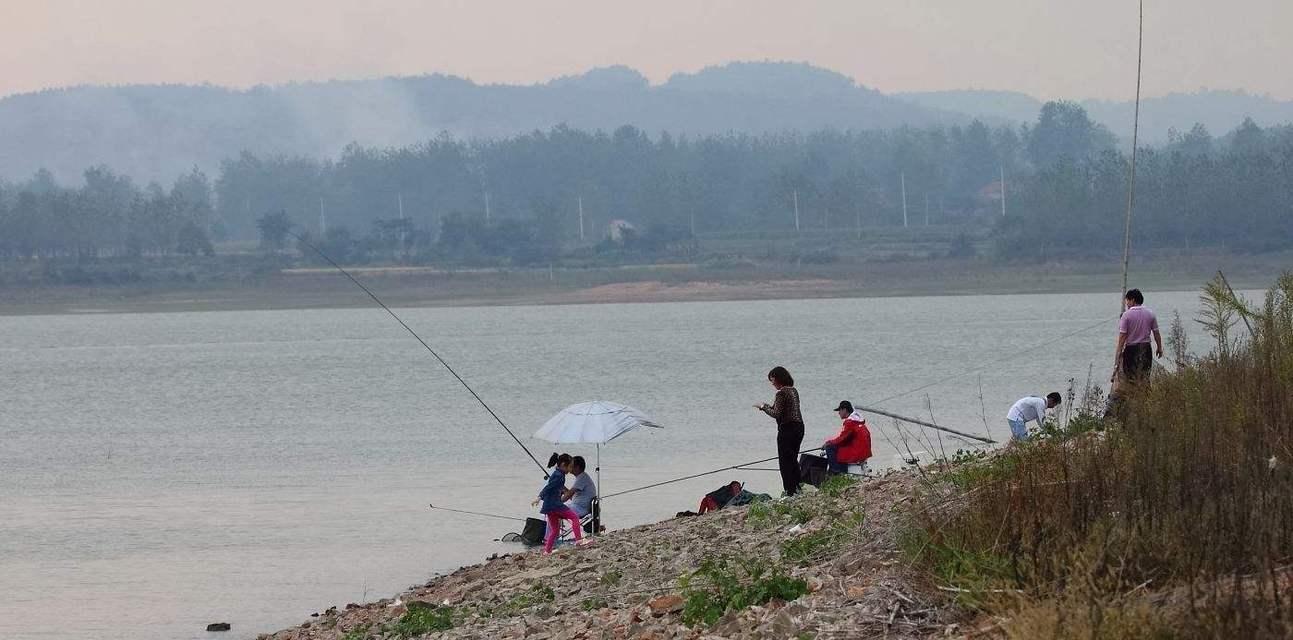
159,131
1219,111
995,106
156,132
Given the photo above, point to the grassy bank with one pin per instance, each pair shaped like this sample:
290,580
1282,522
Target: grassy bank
1173,517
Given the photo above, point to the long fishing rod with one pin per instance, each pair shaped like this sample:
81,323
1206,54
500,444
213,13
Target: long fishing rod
1131,179
928,425
698,475
476,513
428,348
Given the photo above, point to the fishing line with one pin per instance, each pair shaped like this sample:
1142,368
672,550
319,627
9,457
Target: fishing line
993,361
476,513
736,467
428,348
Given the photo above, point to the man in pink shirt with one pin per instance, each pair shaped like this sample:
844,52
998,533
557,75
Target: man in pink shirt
1134,357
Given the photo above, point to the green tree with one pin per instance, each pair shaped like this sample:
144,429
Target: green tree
1064,130
192,240
274,229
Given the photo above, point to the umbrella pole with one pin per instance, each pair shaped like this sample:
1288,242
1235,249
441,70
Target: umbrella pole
597,520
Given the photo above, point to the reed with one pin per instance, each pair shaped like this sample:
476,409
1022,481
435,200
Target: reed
1172,518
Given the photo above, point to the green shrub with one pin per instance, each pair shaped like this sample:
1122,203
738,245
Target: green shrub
821,543
358,633
420,619
722,584
837,484
761,516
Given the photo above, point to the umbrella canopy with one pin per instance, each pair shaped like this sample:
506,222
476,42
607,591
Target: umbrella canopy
595,422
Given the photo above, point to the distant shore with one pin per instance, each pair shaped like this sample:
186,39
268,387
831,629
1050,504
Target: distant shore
312,288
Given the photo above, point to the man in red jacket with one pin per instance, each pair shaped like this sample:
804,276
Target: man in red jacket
853,444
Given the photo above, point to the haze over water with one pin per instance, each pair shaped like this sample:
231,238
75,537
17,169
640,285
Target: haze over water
162,471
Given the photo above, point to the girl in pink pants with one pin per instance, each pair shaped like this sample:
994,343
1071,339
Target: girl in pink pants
553,507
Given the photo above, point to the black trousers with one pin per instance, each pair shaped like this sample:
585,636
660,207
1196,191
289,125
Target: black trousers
1137,361
789,437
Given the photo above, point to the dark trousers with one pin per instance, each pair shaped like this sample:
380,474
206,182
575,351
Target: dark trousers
1137,361
789,437
833,461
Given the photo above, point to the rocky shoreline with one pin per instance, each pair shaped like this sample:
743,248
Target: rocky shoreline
840,544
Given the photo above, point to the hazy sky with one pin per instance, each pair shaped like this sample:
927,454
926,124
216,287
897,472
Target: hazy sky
1049,48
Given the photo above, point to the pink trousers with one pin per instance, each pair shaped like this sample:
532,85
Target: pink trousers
554,527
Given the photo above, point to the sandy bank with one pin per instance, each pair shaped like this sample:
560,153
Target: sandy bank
430,287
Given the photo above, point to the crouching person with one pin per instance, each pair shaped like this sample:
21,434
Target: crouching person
852,445
1030,409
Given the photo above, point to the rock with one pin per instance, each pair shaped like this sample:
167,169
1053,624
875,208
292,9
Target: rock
219,626
670,603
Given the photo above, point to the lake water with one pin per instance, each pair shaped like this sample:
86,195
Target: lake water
162,471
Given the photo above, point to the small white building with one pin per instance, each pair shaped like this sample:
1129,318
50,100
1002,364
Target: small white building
615,229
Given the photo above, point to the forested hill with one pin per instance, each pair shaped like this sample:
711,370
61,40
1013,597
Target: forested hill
1216,110
155,132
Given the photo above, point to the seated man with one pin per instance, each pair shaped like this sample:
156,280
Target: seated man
852,445
581,494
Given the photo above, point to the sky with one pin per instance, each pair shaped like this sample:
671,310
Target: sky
1048,48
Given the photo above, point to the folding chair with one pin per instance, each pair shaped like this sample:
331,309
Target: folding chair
590,522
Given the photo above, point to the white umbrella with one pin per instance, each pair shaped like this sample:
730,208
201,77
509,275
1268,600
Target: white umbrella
596,422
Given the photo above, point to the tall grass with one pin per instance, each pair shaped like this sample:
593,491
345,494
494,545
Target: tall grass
1173,519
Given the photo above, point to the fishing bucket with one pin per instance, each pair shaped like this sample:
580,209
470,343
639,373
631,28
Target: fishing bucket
812,469
532,534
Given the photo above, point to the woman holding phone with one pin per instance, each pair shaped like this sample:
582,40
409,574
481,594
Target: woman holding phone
790,427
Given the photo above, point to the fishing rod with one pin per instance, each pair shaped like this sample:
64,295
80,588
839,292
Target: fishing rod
922,423
698,475
476,513
427,346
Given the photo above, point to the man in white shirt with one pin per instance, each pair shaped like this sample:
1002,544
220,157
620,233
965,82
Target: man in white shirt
583,492
1029,409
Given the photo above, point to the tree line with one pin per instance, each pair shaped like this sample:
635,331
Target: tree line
528,197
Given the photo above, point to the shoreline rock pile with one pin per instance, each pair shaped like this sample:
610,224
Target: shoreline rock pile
841,543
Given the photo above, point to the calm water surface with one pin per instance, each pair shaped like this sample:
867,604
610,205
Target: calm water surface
162,471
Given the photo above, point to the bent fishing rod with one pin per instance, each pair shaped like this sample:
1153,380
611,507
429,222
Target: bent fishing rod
426,346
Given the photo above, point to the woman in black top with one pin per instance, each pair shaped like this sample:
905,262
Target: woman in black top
790,427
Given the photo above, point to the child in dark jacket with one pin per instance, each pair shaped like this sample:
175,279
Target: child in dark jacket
553,507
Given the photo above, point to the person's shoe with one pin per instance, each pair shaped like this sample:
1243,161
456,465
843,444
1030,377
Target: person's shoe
583,542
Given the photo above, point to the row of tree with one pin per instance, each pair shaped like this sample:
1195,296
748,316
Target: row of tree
109,215
1065,185
1235,192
